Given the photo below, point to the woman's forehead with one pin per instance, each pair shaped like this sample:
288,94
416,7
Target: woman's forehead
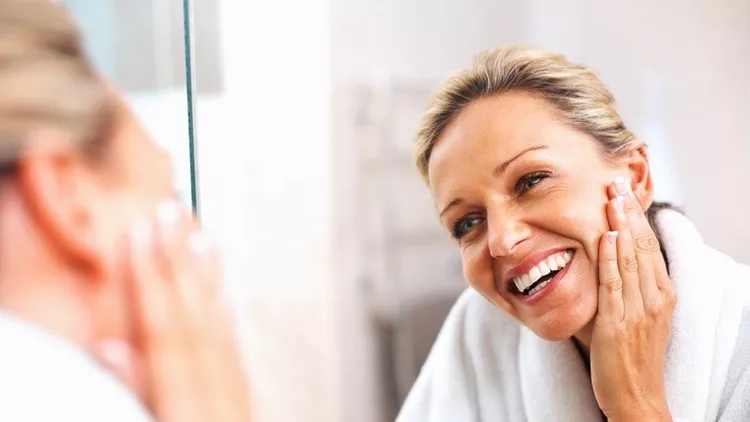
497,128
495,131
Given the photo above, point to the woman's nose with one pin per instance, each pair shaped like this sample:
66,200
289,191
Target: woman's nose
505,234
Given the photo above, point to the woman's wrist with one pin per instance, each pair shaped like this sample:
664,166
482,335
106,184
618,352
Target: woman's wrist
653,413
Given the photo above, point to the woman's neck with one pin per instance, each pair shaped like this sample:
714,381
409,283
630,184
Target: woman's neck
582,341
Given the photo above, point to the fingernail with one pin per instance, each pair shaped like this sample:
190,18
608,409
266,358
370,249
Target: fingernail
140,232
200,243
621,186
168,214
620,203
612,237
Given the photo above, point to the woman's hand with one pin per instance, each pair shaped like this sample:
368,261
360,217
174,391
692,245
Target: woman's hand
191,368
632,325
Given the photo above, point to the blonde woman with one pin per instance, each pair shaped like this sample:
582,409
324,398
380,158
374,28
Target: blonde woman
102,274
588,301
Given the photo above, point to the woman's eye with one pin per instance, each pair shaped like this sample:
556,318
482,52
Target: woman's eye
464,226
528,181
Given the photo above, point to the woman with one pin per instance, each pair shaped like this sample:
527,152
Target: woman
98,262
582,306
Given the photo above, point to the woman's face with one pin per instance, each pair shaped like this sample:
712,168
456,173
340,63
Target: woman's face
524,196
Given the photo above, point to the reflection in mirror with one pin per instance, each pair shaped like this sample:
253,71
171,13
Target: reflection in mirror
139,45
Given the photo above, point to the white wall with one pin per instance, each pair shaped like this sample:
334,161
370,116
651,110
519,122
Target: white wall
264,172
264,162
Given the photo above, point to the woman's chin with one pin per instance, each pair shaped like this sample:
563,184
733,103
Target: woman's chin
563,323
553,333
567,308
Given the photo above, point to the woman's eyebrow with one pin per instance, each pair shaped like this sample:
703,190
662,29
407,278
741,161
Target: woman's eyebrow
500,169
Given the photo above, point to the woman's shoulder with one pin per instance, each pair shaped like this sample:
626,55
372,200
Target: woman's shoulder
45,377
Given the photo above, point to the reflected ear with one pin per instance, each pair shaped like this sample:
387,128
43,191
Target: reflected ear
58,190
640,176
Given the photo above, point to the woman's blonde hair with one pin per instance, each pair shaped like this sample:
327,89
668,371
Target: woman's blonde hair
46,81
579,96
576,92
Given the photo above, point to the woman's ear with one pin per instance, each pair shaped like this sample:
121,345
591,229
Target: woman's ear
640,176
57,189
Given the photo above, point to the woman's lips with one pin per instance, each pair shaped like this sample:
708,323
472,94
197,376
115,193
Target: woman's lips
550,286
536,266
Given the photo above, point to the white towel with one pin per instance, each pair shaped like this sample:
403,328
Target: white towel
46,378
484,366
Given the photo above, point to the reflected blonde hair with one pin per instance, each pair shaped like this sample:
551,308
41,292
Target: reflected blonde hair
576,92
46,82
579,96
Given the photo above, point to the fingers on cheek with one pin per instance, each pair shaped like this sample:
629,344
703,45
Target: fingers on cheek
174,222
610,282
150,297
205,267
612,190
615,213
608,247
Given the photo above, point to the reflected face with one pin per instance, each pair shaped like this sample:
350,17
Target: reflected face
524,196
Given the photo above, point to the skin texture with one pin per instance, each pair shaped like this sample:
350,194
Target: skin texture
510,179
75,259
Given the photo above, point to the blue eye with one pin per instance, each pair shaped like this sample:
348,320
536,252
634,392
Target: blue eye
528,181
464,226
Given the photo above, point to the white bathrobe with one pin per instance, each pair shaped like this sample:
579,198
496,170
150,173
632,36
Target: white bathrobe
45,378
485,366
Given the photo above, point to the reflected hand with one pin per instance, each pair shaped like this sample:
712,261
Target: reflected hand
192,370
633,321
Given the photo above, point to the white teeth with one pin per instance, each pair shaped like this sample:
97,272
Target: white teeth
535,274
544,268
551,263
560,261
525,281
539,287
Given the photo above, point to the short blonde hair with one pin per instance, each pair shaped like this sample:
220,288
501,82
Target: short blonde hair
575,91
579,96
46,81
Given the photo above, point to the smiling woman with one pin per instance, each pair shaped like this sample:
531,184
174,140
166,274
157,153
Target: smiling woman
549,197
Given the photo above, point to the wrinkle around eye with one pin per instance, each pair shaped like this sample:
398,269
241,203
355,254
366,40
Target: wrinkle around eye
548,187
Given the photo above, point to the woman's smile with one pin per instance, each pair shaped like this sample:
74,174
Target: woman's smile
524,198
534,274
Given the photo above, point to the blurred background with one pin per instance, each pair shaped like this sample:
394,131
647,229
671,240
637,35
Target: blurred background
302,115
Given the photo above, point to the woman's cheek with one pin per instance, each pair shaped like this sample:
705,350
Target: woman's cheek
586,224
478,269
